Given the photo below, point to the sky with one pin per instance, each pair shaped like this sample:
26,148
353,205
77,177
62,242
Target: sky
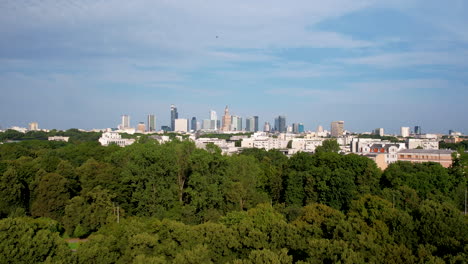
84,63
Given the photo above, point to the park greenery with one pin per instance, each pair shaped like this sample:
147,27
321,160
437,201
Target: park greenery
175,203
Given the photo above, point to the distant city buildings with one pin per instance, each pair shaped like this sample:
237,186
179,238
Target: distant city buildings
379,132
236,123
193,124
151,123
226,125
174,116
125,122
33,126
141,127
181,125
280,124
337,128
417,130
441,156
405,132
255,123
267,127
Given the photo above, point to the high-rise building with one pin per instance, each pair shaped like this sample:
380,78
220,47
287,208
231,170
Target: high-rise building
267,127
301,128
141,127
151,123
125,122
181,125
255,123
280,124
250,124
337,128
174,116
295,128
236,123
417,130
194,124
319,129
405,131
379,131
33,126
214,119
226,126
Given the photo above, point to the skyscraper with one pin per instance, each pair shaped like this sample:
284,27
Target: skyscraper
151,123
282,124
125,122
267,127
337,128
174,116
301,128
214,119
255,123
194,124
417,130
236,123
250,124
405,131
226,126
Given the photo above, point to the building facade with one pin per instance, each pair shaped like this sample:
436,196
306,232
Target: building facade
441,156
181,125
174,116
337,128
151,123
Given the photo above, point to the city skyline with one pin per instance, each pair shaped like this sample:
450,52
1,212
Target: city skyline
373,64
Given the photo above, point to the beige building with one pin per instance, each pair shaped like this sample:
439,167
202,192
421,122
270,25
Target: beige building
337,128
33,126
141,128
226,120
442,156
181,125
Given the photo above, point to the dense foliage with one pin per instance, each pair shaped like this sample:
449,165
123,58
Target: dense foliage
174,203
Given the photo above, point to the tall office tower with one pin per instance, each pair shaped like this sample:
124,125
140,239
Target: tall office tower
207,124
141,127
417,130
276,128
214,117
301,128
236,123
125,122
405,131
282,124
295,128
33,126
379,132
247,124
174,116
151,123
337,128
319,129
226,126
255,123
194,124
267,127
181,125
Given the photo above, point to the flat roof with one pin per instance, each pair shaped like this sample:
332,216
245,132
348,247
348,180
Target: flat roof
427,151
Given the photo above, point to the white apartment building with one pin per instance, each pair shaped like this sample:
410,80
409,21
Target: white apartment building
306,145
226,147
414,143
58,138
266,143
405,131
181,125
114,138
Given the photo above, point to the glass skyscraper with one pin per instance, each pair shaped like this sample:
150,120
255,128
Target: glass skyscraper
174,116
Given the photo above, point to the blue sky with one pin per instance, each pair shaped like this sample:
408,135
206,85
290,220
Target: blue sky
370,63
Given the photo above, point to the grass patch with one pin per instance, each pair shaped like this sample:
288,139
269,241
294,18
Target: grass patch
74,245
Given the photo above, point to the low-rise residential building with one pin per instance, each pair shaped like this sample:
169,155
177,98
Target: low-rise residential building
261,140
225,146
58,138
110,137
414,143
306,144
441,156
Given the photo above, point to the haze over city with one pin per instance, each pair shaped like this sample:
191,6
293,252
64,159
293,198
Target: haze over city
371,63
